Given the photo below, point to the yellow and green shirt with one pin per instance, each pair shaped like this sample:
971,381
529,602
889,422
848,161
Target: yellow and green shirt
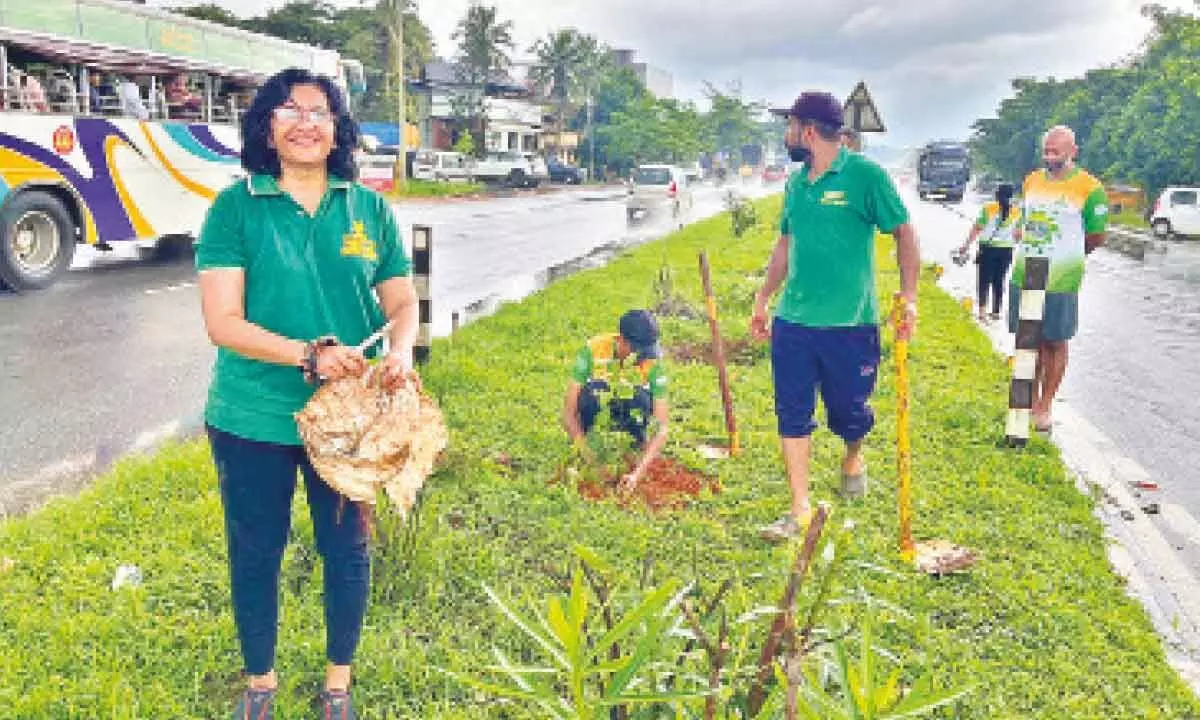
995,232
1056,216
598,361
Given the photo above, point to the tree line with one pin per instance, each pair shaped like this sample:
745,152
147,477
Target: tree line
621,122
1136,121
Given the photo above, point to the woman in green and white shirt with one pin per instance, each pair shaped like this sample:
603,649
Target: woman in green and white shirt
994,230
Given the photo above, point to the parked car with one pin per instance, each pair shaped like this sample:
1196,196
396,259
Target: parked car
694,172
440,166
1176,212
655,187
563,172
511,168
774,174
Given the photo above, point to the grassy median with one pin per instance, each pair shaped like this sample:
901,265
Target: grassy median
1040,628
421,189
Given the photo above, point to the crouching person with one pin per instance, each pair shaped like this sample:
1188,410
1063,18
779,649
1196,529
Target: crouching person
622,370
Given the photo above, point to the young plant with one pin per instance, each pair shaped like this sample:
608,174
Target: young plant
582,677
837,688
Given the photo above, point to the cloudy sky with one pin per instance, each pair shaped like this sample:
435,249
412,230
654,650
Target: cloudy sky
933,66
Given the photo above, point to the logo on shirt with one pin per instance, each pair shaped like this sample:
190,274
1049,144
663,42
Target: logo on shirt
357,244
834,197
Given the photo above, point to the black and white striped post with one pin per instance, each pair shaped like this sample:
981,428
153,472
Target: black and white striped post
1025,361
422,256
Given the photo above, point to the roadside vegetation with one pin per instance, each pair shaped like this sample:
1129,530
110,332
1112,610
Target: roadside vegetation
1040,628
429,189
1135,120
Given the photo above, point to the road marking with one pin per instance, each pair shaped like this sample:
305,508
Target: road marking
170,288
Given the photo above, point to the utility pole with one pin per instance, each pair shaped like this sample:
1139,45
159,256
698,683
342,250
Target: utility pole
591,141
402,156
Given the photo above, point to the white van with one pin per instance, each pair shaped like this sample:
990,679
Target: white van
658,186
440,166
1176,212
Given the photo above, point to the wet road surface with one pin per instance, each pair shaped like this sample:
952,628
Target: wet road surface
115,354
1134,369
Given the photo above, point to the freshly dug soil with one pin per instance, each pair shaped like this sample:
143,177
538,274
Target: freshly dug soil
667,485
740,351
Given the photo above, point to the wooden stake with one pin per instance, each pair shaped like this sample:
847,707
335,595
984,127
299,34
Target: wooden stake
719,355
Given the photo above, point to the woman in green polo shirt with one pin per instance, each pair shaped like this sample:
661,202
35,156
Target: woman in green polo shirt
291,261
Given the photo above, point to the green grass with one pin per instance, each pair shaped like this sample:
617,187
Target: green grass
1041,628
1131,218
430,189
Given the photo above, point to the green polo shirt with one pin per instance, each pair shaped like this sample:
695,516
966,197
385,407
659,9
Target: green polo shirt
306,276
831,252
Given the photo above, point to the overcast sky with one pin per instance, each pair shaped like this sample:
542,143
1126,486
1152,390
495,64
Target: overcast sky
933,66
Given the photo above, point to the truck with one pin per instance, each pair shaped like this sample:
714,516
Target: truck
943,170
83,167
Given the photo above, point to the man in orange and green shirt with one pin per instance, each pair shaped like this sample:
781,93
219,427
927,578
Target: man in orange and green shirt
624,368
1063,217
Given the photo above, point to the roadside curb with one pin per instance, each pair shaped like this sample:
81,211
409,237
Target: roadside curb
67,477
1140,553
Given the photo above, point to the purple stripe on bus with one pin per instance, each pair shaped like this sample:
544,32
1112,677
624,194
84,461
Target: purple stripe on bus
98,192
204,136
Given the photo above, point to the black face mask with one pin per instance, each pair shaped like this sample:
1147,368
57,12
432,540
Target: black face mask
799,154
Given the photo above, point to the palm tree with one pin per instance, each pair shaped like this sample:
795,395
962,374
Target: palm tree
567,67
556,73
483,46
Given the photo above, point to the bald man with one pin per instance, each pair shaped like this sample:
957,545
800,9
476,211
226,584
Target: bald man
1064,215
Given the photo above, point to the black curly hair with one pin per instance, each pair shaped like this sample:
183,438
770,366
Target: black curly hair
257,154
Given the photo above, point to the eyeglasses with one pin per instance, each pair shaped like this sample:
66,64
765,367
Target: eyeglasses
293,114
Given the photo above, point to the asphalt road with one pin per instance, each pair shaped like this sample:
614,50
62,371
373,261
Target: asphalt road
115,356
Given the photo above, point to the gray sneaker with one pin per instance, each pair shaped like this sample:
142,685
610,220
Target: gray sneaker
255,705
854,486
336,705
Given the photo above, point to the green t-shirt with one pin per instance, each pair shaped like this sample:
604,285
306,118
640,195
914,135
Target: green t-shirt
306,276
598,361
831,253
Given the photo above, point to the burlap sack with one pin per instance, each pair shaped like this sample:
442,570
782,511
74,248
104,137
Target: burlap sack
361,439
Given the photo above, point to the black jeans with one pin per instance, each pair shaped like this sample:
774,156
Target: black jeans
257,482
993,271
630,415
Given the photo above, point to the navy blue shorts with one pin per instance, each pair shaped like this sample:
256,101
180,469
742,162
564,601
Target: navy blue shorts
842,362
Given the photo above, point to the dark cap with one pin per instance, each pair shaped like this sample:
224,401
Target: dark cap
818,107
640,330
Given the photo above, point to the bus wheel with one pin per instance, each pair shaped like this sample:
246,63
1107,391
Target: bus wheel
37,241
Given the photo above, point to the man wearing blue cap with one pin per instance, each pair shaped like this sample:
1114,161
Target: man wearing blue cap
825,333
624,367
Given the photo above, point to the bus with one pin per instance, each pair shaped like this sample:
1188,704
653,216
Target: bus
119,124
